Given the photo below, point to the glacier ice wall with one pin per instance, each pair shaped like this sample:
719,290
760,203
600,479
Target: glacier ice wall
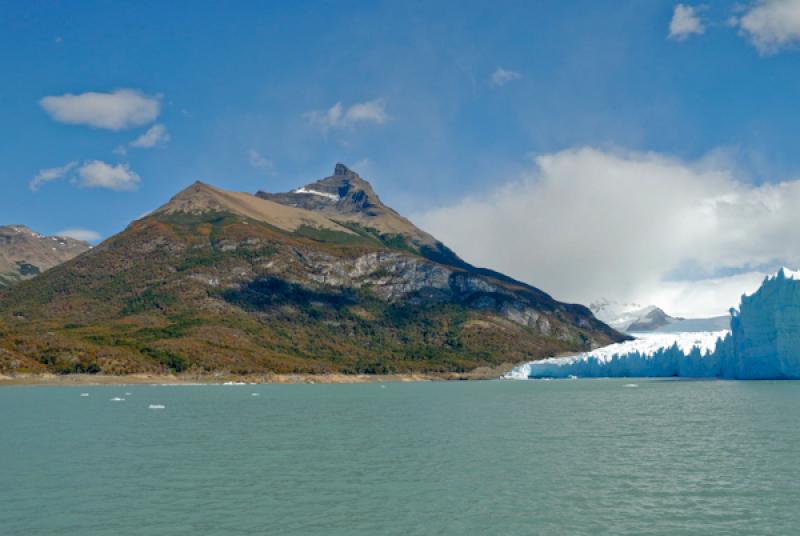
763,343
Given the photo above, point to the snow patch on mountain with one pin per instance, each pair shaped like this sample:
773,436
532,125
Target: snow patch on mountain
333,197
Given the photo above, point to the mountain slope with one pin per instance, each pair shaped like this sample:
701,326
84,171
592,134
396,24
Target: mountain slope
220,281
25,253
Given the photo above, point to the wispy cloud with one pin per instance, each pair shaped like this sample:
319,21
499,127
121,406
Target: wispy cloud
50,174
337,116
685,22
98,174
771,25
155,136
501,77
118,110
86,235
259,162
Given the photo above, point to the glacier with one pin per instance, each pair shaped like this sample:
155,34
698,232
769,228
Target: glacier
763,342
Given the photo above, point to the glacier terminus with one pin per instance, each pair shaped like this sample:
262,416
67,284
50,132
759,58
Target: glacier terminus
763,342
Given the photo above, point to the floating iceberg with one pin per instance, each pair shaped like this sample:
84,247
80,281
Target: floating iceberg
763,343
156,406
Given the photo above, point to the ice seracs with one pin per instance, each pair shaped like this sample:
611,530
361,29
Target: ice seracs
651,354
763,343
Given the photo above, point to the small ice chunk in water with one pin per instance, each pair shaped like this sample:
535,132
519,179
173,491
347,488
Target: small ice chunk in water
117,399
156,406
127,394
84,394
254,394
630,385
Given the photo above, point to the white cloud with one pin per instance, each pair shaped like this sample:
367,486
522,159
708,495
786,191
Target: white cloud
771,24
80,234
586,224
118,110
337,117
50,174
259,162
368,112
685,22
155,136
98,174
501,77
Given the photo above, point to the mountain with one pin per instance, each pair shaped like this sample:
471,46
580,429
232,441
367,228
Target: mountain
632,317
635,318
25,254
332,281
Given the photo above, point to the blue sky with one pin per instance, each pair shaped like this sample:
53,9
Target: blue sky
438,101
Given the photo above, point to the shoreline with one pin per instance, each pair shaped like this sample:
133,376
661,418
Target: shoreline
255,379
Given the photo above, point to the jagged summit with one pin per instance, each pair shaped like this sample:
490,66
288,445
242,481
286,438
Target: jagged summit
345,196
344,191
341,169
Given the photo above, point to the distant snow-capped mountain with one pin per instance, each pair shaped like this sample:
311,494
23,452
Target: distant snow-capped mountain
631,317
636,318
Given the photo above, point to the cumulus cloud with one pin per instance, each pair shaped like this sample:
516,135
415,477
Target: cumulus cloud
337,116
771,25
501,77
80,234
259,162
587,224
118,110
98,174
50,174
685,22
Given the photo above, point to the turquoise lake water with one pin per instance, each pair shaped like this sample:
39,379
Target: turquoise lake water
496,457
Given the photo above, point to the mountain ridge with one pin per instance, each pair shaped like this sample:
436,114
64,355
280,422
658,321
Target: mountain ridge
25,253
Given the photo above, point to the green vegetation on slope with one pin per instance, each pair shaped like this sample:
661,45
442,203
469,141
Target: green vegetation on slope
218,292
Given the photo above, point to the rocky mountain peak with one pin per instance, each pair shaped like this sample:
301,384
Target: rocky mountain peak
346,197
343,193
342,170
